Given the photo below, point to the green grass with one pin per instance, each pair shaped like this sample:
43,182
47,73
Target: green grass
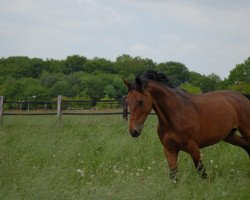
94,157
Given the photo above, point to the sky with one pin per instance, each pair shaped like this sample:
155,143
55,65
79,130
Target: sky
208,36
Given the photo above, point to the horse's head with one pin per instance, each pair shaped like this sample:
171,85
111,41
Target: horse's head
139,103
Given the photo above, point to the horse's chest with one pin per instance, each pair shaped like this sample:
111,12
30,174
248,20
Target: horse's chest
172,140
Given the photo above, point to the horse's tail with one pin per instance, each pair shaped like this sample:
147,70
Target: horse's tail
247,96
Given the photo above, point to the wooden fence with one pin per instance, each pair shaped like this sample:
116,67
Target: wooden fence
61,107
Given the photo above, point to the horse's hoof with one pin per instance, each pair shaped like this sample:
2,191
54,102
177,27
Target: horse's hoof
204,176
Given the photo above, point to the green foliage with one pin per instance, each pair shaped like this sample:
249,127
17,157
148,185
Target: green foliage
54,66
95,87
191,88
210,83
195,78
63,88
78,76
177,72
47,79
99,65
127,65
109,90
19,67
106,104
22,89
241,73
74,63
241,87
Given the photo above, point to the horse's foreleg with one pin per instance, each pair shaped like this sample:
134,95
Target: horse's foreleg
194,151
201,170
172,158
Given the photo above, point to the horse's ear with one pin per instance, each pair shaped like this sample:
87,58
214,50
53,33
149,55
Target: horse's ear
128,84
140,83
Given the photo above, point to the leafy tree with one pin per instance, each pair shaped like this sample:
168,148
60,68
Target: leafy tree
11,88
205,83
99,65
73,79
32,87
109,91
73,91
127,65
210,83
83,95
47,79
15,66
20,66
36,67
105,105
95,87
176,71
241,87
79,77
241,73
120,88
54,66
24,88
74,63
195,78
191,88
2,86
60,88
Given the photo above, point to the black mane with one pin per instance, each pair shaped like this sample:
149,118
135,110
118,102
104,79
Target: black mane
159,77
141,79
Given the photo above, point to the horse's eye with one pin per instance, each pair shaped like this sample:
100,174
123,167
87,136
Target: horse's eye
140,103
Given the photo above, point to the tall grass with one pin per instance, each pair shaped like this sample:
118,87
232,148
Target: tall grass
94,157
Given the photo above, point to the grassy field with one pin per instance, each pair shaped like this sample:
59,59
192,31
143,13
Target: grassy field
94,157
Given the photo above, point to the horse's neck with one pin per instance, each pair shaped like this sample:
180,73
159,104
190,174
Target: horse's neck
167,104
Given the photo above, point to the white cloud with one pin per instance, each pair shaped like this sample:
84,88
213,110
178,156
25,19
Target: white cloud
142,50
204,15
207,36
178,45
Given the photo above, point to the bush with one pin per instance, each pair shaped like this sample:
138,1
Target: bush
191,88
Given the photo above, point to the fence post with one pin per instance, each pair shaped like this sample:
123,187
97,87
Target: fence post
59,107
1,110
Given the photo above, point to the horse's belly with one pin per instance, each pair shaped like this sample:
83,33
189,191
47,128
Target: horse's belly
215,131
208,141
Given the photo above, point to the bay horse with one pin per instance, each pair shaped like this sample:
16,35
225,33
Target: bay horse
188,122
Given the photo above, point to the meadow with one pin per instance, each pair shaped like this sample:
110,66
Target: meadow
94,157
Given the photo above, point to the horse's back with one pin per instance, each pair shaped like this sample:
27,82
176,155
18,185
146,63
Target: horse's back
233,97
223,99
219,112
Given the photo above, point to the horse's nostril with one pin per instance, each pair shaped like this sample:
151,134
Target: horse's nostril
134,133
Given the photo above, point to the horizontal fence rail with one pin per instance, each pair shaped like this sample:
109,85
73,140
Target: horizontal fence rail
66,101
15,113
60,107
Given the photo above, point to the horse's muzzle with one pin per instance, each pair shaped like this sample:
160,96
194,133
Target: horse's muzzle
135,133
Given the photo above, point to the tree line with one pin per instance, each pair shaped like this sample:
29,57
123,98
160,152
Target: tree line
78,77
